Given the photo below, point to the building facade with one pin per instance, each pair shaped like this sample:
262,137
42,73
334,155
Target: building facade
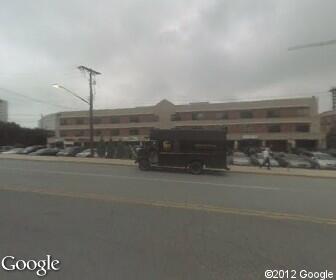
3,111
49,122
280,123
328,128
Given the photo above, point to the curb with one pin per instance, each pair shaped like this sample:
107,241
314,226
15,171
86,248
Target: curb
120,162
270,173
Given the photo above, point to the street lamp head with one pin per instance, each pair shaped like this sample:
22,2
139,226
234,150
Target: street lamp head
56,85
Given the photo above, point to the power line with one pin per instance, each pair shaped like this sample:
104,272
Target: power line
27,114
313,45
33,99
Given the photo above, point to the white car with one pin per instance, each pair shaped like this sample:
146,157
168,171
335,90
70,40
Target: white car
87,153
14,151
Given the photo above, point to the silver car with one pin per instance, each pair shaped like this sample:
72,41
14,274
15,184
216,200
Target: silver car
292,160
258,159
322,160
239,158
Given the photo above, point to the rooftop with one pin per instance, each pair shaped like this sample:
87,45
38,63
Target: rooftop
194,106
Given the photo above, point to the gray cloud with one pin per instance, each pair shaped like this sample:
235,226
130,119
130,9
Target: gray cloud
148,50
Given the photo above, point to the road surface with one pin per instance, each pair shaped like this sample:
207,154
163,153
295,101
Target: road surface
113,222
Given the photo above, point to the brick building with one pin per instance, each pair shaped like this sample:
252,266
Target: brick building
328,128
277,123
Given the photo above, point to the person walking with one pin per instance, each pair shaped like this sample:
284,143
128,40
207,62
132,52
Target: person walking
267,160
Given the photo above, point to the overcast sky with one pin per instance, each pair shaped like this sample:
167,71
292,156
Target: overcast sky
147,50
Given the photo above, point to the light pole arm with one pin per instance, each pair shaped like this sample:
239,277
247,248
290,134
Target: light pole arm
72,93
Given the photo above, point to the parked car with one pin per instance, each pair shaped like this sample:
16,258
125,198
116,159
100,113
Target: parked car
31,149
14,151
258,159
299,151
331,152
321,160
87,153
292,160
239,158
46,152
69,151
5,148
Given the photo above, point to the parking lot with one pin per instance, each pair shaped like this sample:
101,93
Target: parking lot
302,158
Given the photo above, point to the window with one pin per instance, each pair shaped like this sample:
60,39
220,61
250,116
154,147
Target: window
274,128
134,131
115,132
97,120
247,128
302,112
175,117
302,128
198,116
63,122
221,116
246,114
115,119
98,132
134,119
273,114
79,133
79,121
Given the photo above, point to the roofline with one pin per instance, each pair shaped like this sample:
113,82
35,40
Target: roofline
328,113
192,105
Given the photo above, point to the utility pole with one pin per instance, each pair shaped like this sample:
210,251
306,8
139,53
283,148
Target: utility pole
92,73
333,96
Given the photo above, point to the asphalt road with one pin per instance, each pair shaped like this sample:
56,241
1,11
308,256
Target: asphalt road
111,222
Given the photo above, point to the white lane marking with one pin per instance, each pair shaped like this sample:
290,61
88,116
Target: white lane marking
142,178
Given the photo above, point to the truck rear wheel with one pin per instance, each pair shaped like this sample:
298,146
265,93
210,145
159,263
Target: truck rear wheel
196,167
144,164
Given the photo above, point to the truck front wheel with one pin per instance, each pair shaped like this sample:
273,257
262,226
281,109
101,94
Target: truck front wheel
144,164
196,167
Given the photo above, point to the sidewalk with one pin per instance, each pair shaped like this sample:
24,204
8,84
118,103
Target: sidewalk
236,169
71,159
